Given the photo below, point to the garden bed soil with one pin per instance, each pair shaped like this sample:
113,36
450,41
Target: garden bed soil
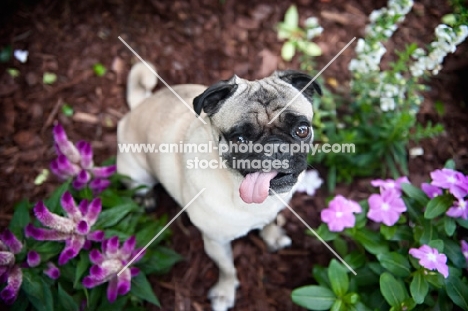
196,41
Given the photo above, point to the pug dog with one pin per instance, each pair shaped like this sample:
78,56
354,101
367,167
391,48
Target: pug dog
236,114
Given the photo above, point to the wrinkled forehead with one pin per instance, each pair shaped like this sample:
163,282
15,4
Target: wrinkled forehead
262,101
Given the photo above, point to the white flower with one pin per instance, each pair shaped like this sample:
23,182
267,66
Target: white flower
314,32
21,55
387,104
416,151
418,53
311,22
310,183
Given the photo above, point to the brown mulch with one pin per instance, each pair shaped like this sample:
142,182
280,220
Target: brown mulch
196,41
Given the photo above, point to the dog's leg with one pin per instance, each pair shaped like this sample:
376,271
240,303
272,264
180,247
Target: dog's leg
275,237
127,165
222,295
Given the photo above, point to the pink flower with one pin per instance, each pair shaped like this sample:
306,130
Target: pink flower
390,184
77,162
458,210
109,263
430,190
430,259
9,270
339,214
75,229
454,181
386,207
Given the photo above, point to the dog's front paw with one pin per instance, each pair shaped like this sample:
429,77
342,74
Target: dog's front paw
275,238
223,294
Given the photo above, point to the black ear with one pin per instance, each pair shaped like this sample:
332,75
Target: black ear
300,80
209,100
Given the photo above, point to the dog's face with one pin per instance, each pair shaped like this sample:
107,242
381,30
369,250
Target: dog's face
263,128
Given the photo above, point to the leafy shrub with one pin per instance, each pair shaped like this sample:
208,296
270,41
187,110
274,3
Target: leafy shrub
410,257
379,114
83,249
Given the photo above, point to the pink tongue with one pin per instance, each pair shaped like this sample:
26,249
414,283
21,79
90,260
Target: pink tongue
254,188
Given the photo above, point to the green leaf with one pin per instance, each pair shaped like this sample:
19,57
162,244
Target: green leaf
355,259
396,263
65,300
38,292
21,303
340,246
53,202
366,277
291,18
338,305
5,54
313,297
429,233
142,289
323,232
437,206
450,164
449,19
393,291
454,253
388,232
457,291
462,222
320,275
371,241
99,69
81,268
20,218
449,226
42,177
288,50
311,49
338,277
415,193
160,260
112,216
437,244
117,305
13,72
49,78
67,110
419,287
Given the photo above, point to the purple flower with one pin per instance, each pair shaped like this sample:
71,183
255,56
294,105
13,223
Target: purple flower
75,229
386,207
109,263
454,181
430,190
310,183
458,210
33,259
430,259
52,271
9,271
77,162
464,249
390,184
339,214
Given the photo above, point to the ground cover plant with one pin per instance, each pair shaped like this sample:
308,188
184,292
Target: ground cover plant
83,248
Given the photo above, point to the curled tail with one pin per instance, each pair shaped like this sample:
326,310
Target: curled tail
140,82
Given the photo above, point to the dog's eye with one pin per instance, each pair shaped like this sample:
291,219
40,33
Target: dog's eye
239,140
302,131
